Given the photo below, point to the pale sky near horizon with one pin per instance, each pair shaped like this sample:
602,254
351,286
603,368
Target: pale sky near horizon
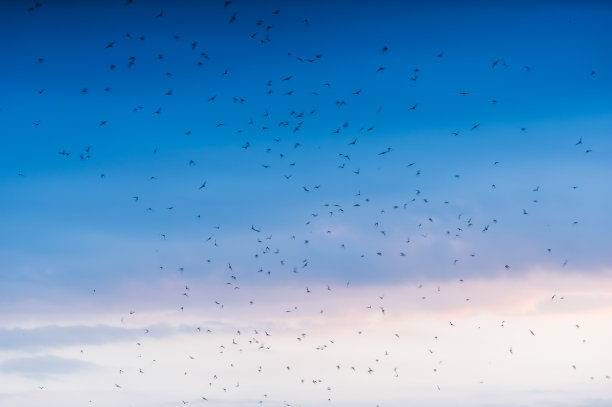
305,203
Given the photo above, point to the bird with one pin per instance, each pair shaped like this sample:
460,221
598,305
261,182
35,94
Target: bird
229,101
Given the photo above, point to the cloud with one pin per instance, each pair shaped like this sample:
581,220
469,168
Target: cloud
60,336
41,367
162,309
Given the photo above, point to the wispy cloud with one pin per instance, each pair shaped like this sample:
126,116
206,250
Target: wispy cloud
41,367
42,337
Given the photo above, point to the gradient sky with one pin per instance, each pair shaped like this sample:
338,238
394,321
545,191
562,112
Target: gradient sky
305,203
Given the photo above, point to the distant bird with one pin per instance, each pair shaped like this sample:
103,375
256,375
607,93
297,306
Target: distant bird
36,5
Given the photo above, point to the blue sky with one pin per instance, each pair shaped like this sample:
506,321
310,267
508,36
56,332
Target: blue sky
303,148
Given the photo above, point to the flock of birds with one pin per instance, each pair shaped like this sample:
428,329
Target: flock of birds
264,255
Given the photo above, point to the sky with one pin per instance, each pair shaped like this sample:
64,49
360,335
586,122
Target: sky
371,204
